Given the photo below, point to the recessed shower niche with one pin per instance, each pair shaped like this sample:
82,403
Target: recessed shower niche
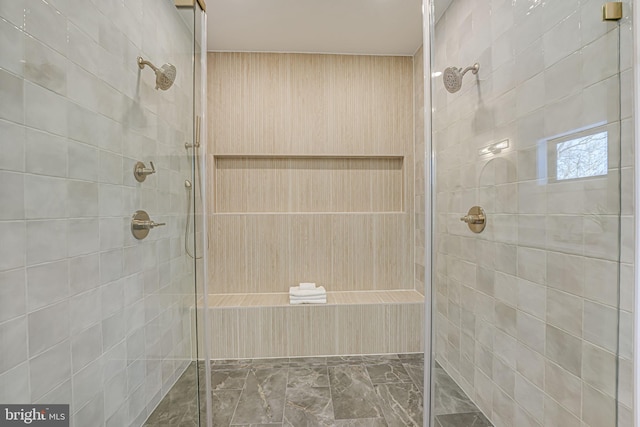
308,184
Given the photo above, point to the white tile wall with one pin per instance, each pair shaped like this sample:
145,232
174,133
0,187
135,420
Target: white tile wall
89,315
527,315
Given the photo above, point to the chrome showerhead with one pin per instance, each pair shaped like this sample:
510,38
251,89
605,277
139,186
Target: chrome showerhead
452,77
165,75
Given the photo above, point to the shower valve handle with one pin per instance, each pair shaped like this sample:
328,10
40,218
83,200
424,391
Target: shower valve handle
140,171
473,219
146,225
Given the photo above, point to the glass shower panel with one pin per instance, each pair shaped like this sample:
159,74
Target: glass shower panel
526,312
181,404
199,233
90,316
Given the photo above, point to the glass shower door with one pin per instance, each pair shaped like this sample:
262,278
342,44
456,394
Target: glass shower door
96,310
527,312
184,403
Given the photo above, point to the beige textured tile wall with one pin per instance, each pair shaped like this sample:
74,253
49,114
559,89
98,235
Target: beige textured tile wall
343,252
313,106
307,184
306,104
316,330
526,312
274,299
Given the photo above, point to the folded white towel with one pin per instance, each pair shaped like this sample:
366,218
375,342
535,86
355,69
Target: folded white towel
296,291
308,301
306,286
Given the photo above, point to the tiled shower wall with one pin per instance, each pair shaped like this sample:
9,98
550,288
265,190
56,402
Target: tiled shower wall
526,317
312,126
88,315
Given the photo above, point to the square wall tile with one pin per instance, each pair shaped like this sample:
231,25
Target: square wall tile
47,327
12,250
47,283
13,334
43,379
12,94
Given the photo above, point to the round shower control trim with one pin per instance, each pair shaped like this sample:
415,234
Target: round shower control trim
475,219
141,224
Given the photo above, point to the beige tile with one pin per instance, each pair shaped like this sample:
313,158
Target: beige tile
506,318
343,327
625,386
506,288
300,86
566,272
224,341
485,280
504,347
307,184
530,364
524,419
565,234
505,377
625,416
484,360
564,349
556,415
564,387
483,387
333,298
280,167
598,409
531,331
532,265
565,311
506,258
503,408
600,325
532,298
599,369
530,397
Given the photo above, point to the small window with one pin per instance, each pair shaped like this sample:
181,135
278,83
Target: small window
579,155
582,157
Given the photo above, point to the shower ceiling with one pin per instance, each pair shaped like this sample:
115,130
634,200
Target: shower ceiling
373,27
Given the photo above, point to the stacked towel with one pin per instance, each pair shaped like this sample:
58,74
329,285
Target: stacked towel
307,293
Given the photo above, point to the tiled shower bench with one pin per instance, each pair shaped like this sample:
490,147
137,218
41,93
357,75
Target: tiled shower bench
360,322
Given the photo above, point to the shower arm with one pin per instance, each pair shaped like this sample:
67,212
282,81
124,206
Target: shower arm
142,62
474,69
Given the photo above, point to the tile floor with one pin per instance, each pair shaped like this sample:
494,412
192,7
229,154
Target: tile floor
355,391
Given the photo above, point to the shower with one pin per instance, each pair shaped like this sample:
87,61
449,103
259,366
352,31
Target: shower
452,77
165,75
